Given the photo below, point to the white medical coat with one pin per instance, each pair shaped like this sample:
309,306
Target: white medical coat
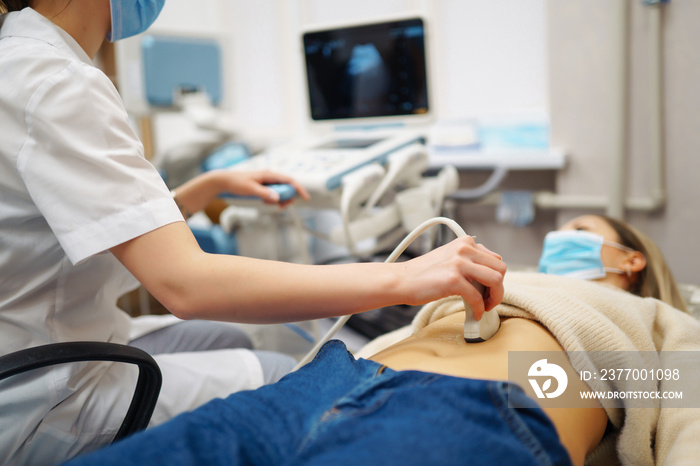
74,183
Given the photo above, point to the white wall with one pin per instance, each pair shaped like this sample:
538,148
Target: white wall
491,57
486,57
582,99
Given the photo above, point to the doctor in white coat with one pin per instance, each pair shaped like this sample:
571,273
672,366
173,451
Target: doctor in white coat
83,217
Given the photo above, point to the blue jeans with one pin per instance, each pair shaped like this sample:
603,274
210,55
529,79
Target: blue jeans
338,410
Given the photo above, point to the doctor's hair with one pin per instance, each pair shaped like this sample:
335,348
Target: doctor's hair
656,279
12,5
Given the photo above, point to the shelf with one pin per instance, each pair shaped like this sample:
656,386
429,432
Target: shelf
512,159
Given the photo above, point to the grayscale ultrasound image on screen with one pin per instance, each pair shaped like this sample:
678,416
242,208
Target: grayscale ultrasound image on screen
372,70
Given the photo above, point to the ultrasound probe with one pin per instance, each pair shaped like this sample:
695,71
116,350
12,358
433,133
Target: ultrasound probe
478,331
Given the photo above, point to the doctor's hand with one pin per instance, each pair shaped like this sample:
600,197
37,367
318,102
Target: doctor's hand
450,269
197,193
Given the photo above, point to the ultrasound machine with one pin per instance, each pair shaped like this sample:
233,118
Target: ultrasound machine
367,91
368,114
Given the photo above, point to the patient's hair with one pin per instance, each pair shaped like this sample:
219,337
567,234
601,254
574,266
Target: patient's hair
656,279
12,5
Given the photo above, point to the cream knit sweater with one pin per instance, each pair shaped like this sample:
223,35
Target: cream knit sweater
587,316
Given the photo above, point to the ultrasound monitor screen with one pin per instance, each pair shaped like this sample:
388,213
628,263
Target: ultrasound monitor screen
374,70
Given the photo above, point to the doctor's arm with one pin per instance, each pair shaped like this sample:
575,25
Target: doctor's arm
193,284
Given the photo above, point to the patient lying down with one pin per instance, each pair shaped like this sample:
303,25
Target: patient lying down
432,398
542,312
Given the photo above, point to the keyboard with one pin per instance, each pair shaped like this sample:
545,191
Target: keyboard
320,165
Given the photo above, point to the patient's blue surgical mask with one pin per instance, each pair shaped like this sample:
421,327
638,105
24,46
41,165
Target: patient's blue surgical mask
575,253
131,17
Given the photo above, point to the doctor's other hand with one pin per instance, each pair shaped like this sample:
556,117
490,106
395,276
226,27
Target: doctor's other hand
197,193
449,271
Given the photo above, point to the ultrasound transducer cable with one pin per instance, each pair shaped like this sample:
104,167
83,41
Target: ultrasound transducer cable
474,331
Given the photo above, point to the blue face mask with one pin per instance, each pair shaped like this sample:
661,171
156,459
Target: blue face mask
131,17
576,254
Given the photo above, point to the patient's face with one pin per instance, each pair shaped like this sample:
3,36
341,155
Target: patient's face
610,255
